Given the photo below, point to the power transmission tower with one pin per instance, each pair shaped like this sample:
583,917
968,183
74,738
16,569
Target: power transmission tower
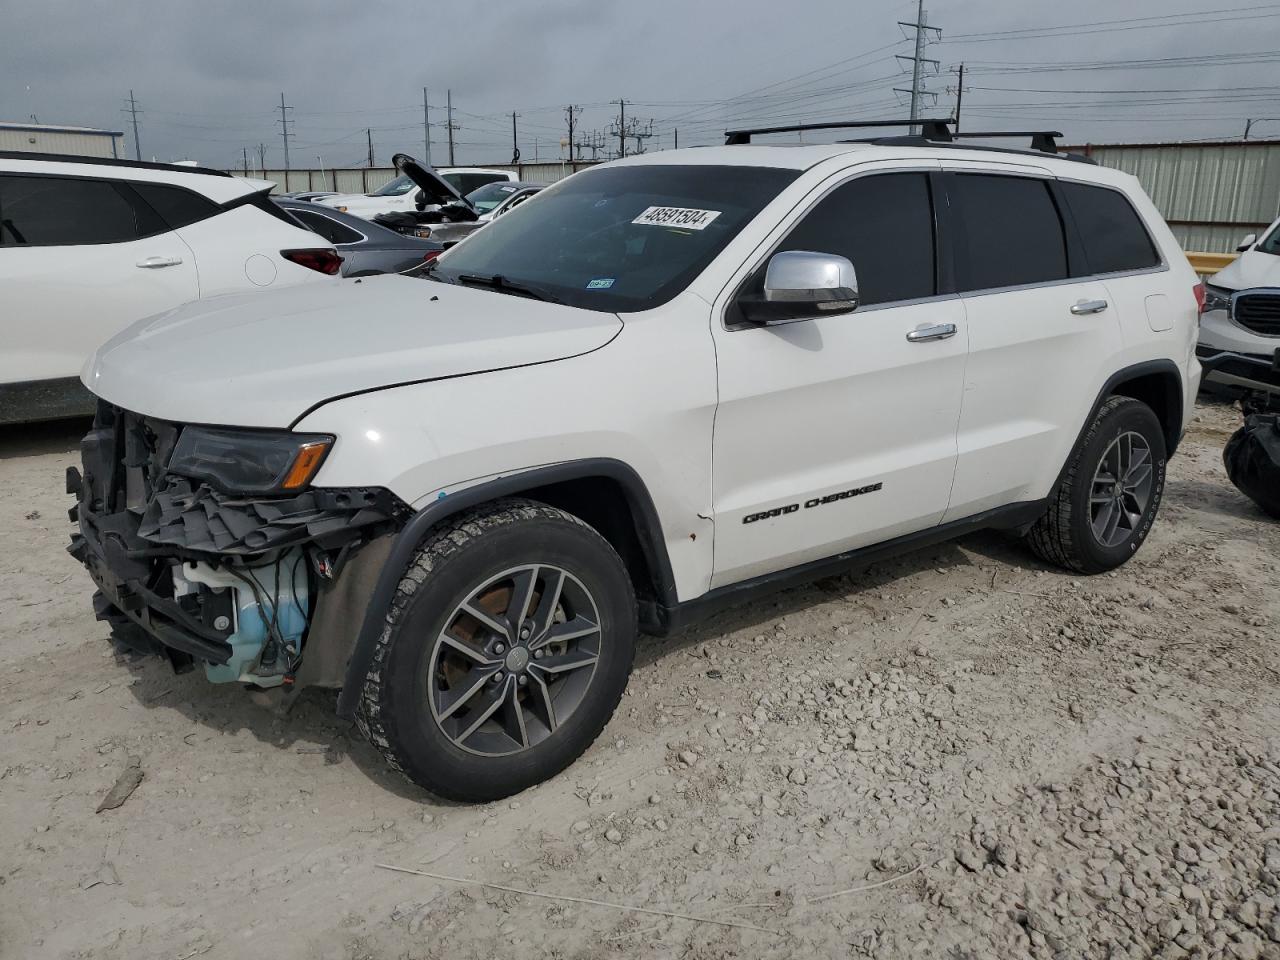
620,125
572,113
284,129
959,92
639,133
450,126
515,140
262,158
133,110
918,60
368,132
426,126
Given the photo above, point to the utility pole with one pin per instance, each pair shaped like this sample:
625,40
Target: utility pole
960,97
450,126
918,60
572,113
246,160
622,127
677,138
284,129
426,127
137,150
368,131
262,158
515,142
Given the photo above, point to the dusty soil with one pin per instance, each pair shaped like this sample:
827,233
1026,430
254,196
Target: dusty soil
1031,763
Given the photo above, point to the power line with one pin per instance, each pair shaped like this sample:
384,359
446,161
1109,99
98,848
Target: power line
1200,16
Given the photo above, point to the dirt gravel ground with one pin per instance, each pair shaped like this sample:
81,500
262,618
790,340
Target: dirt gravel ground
959,754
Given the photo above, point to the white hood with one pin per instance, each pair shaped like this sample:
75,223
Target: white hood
1252,269
263,359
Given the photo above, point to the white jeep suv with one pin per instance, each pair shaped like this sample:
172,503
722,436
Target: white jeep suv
88,246
670,384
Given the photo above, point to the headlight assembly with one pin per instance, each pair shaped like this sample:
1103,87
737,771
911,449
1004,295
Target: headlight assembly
249,461
1216,298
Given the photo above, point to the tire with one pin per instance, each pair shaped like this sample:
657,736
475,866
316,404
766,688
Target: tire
1073,533
428,702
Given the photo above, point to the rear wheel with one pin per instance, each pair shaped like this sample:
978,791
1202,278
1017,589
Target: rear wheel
505,653
1103,510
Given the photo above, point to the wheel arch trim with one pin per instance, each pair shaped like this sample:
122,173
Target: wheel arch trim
411,536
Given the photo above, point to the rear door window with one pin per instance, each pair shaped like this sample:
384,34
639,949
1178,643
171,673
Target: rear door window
1009,232
1114,236
60,211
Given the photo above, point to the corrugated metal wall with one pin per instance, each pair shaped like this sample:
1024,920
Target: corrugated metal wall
1212,194
75,144
366,179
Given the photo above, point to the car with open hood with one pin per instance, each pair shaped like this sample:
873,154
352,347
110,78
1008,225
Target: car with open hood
412,187
665,386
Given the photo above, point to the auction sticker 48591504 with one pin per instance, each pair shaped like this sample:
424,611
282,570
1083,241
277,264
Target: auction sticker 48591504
685,218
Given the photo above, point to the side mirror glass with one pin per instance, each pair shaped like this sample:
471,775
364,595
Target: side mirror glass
802,284
1247,243
420,200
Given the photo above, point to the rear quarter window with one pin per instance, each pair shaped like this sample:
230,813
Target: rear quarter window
1115,238
176,206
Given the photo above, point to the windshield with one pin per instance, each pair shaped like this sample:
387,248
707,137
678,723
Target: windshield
618,239
396,188
490,195
1272,242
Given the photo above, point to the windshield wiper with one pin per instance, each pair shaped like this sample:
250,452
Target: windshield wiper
501,283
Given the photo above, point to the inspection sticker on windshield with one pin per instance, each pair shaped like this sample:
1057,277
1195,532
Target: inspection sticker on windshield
601,283
685,218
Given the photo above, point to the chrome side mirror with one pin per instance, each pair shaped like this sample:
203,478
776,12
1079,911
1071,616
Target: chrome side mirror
801,285
1247,243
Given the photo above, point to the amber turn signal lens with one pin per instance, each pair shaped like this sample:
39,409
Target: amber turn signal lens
305,465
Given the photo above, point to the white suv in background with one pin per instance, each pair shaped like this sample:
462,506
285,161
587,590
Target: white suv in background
1240,328
667,385
88,246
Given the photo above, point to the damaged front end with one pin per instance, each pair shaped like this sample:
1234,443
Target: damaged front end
209,546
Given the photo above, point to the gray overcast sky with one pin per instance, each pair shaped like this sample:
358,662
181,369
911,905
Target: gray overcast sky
208,75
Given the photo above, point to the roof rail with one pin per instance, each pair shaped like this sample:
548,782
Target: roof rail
108,162
932,129
931,132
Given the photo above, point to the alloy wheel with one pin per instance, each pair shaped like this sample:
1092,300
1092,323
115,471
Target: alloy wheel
514,660
1121,489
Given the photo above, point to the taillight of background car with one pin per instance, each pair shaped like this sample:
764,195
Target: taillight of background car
323,259
431,255
1200,293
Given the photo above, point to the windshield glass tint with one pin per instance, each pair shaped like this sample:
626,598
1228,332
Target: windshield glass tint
396,188
490,195
619,238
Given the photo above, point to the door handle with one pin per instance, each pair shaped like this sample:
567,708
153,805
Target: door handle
150,263
934,331
1086,307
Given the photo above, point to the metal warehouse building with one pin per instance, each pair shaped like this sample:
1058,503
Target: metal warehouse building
43,138
1212,194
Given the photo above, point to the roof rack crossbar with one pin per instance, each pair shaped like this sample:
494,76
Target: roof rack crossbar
1046,141
933,129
